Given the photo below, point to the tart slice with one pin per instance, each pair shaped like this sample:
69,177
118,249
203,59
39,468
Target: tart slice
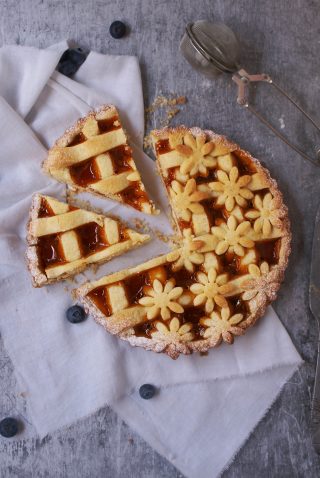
229,264
94,156
63,240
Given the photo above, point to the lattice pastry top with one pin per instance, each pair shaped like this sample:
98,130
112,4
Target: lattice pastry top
63,240
94,156
234,247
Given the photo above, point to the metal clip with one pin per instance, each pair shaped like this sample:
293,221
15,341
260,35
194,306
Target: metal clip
243,80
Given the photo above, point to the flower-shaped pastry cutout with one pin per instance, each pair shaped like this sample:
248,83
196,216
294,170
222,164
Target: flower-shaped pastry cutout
265,212
187,256
249,285
186,199
174,332
231,189
232,237
222,326
211,289
162,299
197,153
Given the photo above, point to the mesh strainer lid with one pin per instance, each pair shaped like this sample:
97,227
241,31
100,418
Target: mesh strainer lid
216,42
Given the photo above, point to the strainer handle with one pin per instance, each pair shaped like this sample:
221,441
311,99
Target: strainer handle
243,80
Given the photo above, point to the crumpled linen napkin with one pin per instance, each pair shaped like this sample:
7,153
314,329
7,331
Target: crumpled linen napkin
206,406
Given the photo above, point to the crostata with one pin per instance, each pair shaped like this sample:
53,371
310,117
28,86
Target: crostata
228,264
94,156
63,240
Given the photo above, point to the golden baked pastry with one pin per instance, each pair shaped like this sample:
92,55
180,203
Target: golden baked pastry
63,240
94,156
234,248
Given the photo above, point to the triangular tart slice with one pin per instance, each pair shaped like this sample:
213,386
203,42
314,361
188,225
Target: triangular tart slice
94,156
63,240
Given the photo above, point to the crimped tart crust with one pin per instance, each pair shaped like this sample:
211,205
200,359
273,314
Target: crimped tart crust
94,156
63,240
229,264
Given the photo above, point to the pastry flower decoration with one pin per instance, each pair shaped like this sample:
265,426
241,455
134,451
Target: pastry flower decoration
231,189
186,199
249,285
187,255
162,299
222,325
210,289
174,331
232,237
265,213
197,155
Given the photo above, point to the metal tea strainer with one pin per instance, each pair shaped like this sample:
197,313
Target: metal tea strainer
213,49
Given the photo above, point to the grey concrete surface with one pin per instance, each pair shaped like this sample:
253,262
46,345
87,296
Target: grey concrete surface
278,37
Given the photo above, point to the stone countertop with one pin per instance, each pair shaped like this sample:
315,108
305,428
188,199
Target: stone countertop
280,38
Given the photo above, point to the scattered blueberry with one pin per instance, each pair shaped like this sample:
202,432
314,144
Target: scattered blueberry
147,391
117,29
71,60
9,427
76,314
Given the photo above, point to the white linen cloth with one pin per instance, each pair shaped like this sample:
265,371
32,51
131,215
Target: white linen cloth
206,406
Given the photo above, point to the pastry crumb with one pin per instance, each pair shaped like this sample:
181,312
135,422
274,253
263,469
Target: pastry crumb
144,227
162,102
147,142
162,237
70,193
167,107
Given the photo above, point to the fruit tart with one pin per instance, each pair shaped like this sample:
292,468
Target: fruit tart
229,261
94,156
63,240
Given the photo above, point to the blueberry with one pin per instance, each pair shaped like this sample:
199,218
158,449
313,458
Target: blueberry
117,29
9,427
147,391
71,60
76,314
67,68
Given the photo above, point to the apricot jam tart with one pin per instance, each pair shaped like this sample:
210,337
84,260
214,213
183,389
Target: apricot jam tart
94,156
63,240
229,262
